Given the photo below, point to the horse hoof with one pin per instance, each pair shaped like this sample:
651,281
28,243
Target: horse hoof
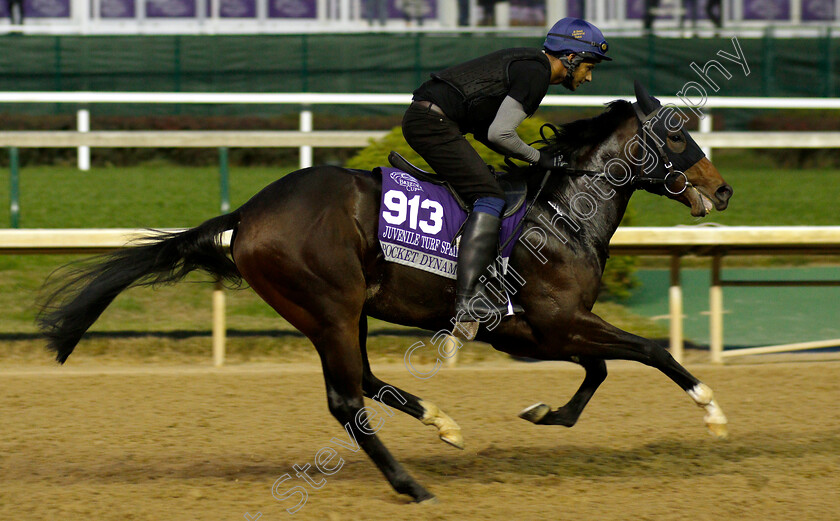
453,438
535,413
448,430
465,330
718,430
425,498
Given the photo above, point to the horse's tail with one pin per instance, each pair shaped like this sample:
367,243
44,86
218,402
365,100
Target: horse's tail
84,290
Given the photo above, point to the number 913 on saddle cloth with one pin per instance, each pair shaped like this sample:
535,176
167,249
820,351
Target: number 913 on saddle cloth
418,220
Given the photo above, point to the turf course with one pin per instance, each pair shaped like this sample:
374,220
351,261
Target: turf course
765,195
163,195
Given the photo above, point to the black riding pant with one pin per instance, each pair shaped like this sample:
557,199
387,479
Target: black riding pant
437,139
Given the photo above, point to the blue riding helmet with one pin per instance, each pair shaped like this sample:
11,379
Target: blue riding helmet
573,35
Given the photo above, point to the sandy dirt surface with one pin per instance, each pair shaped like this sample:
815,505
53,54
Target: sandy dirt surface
174,443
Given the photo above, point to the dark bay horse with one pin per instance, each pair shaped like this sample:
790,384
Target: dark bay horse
308,245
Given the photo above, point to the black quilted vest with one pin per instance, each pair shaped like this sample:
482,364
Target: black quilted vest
484,82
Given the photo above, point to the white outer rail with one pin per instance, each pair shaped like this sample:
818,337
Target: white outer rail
344,139
339,98
663,241
705,137
90,241
717,242
190,139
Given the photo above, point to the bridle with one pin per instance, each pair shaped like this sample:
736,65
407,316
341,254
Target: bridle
638,174
645,128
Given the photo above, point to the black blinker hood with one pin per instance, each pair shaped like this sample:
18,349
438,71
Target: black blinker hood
657,134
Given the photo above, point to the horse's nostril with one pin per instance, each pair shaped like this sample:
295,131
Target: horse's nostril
724,192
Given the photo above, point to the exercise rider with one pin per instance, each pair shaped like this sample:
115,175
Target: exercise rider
489,97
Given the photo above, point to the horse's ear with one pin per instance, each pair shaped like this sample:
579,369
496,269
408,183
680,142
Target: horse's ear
645,102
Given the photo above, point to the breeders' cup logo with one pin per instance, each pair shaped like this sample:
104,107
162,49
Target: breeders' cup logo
406,181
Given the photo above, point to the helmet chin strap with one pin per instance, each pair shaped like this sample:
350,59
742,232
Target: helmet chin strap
571,66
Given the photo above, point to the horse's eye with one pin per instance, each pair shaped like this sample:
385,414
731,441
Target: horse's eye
677,142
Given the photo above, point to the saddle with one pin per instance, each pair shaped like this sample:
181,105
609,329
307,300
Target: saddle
515,189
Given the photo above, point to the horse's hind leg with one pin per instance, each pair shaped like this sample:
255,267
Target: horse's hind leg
389,395
596,372
325,306
342,364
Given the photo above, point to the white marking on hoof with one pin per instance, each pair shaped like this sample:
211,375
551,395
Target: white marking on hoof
701,394
715,419
429,501
448,430
718,430
535,413
465,330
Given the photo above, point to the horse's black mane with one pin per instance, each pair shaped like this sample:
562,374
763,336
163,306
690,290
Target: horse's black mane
572,138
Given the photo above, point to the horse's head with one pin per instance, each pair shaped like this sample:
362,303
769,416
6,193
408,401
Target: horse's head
672,152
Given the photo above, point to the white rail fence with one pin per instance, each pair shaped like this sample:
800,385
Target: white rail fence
718,242
306,137
674,242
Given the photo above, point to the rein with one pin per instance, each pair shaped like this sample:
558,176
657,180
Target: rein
639,176
531,204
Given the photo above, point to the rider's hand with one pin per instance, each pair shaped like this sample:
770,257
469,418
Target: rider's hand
551,162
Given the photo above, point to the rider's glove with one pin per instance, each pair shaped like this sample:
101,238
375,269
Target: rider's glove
551,162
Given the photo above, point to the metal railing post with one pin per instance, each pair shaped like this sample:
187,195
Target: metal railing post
675,304
14,187
83,152
224,180
219,328
716,313
706,128
219,333
305,150
451,346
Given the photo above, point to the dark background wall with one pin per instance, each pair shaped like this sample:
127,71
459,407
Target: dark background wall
387,63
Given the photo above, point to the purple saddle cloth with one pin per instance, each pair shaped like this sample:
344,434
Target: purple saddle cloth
417,221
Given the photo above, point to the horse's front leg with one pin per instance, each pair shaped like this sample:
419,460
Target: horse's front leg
518,339
593,337
540,413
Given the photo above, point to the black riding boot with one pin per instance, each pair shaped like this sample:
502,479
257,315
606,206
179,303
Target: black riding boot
477,250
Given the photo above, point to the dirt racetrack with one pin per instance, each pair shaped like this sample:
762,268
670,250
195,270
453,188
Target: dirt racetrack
117,443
